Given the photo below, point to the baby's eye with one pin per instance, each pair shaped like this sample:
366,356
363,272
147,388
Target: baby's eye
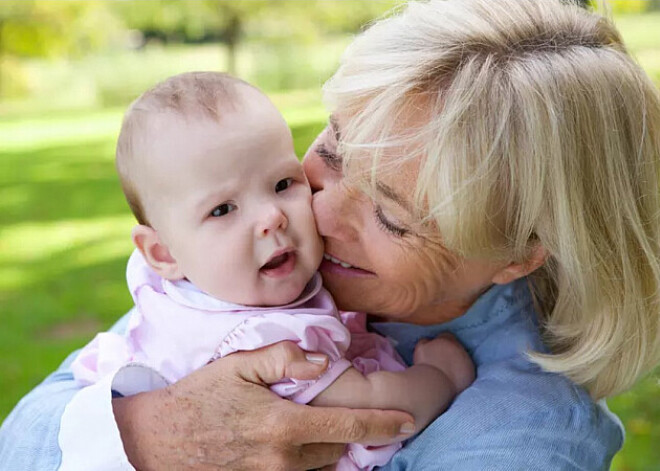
222,209
283,184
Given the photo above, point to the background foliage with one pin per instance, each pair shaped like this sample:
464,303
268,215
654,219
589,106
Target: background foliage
67,71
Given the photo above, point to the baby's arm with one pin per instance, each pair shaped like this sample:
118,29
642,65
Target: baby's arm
442,369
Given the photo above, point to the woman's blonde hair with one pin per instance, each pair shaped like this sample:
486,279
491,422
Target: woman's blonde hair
535,126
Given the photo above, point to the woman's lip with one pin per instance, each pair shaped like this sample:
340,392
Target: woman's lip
332,264
328,267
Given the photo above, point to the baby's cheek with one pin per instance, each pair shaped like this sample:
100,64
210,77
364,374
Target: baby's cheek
305,217
313,246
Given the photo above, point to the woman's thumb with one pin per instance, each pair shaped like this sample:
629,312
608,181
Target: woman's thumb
271,364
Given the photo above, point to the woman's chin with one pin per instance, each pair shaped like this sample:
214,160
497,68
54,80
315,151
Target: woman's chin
350,294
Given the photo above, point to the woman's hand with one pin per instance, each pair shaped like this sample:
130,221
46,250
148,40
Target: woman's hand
223,417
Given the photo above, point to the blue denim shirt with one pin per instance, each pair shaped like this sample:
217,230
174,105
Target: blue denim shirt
514,416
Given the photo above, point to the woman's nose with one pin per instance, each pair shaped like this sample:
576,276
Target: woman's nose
313,168
331,203
336,213
271,220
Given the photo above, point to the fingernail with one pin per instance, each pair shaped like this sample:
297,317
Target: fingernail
317,358
407,428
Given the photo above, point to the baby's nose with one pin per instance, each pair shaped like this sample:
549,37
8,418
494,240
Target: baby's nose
271,220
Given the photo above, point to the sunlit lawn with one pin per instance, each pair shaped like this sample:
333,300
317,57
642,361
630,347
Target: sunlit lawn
64,242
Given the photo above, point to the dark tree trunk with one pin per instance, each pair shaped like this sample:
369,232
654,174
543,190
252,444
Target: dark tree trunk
233,34
2,56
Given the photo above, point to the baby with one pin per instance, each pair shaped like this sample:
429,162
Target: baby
226,258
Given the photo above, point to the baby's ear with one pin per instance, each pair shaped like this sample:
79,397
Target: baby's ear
155,252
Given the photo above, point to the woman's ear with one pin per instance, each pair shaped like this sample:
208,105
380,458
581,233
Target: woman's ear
155,252
513,271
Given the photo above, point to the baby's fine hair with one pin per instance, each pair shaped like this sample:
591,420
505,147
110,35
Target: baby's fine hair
532,125
193,95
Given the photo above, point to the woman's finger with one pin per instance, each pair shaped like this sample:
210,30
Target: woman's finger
341,425
271,364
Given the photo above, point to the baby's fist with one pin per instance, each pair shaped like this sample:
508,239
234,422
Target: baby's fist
446,354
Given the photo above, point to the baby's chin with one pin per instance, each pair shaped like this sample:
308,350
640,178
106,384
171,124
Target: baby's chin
280,297
267,297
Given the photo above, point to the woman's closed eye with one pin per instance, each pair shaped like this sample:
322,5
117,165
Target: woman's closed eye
387,225
223,209
331,159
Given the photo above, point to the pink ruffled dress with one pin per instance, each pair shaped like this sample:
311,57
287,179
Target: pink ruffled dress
177,329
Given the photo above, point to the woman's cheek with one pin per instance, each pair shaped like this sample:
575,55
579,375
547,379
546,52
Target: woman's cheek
319,213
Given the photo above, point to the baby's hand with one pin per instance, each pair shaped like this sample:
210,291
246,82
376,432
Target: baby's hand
446,354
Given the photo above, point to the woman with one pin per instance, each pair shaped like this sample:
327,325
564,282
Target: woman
490,170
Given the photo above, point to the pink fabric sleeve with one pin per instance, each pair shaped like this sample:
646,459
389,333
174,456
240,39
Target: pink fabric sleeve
369,351
103,356
313,333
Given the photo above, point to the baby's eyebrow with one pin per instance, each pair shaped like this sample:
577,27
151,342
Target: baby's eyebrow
293,166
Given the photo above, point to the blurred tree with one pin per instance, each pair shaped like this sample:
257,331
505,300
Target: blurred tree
297,26
10,11
231,22
192,21
41,28
233,16
629,6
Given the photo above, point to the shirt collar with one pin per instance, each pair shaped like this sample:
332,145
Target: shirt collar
187,294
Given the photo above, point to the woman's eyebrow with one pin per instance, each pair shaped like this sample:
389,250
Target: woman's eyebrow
381,187
334,128
390,194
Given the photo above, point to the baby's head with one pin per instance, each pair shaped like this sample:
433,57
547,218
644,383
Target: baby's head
208,167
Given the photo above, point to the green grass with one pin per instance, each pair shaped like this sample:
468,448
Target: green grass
64,225
639,410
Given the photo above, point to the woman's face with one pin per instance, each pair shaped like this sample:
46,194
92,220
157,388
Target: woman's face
377,259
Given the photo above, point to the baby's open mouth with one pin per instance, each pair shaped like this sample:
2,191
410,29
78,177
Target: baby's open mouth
280,265
277,261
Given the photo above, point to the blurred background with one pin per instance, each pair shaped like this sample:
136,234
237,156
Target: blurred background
69,68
